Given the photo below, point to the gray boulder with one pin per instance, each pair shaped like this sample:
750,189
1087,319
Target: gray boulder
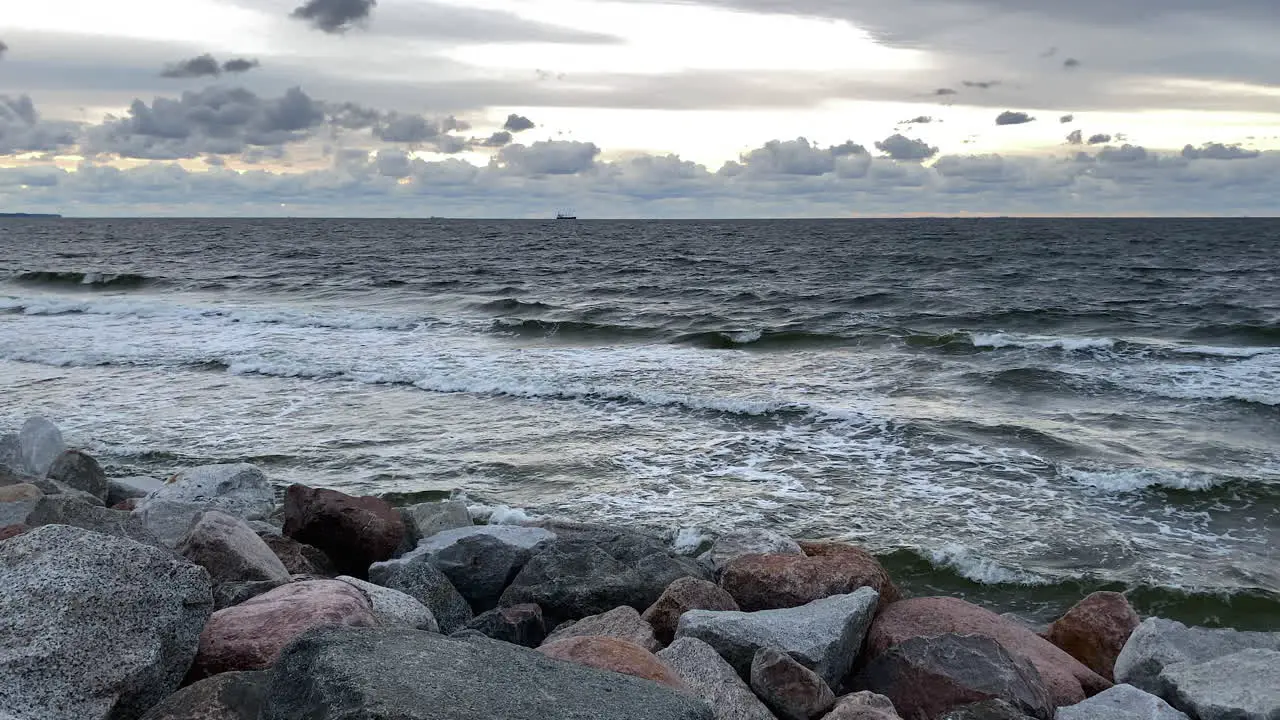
33,448
793,691
128,488
239,490
865,705
426,519
517,624
1240,686
386,674
750,541
392,608
76,605
481,560
17,502
712,679
79,471
988,710
67,510
229,696
1120,702
419,579
230,550
230,594
623,623
1158,642
824,635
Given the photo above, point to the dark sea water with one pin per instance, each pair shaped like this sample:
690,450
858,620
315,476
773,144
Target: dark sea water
1018,411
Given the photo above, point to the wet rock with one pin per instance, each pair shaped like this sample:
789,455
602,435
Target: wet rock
354,532
518,624
393,608
17,502
623,623
1157,643
239,490
769,582
681,596
229,696
230,594
131,488
749,541
1122,702
419,579
710,678
791,690
865,705
299,558
1244,685
927,676
482,560
64,510
250,635
352,674
1095,630
79,471
1067,679
620,656
824,635
230,550
75,605
426,519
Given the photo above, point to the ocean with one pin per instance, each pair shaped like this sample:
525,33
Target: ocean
1017,411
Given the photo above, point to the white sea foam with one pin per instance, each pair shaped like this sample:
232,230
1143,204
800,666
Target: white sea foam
500,514
974,567
1131,479
1041,342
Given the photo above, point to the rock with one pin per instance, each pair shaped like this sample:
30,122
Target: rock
710,678
230,550
267,528
79,471
927,676
17,502
576,578
1068,680
793,691
769,582
230,594
62,490
518,624
468,633
239,490
681,596
130,488
824,635
1121,702
229,696
750,541
65,510
988,710
864,705
1095,630
419,579
76,605
126,505
299,558
354,532
250,635
607,653
351,674
9,531
32,449
1158,642
623,623
482,560
426,519
393,608
1241,686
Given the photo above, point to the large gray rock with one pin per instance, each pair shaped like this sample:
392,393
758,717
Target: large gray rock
17,502
824,635
426,519
517,624
623,623
419,579
394,674
33,448
393,608
230,594
68,510
128,488
865,705
94,626
1158,642
709,677
1121,702
750,541
229,696
239,490
986,710
1241,686
230,550
79,471
793,691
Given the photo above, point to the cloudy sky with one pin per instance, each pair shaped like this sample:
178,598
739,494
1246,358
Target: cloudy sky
634,108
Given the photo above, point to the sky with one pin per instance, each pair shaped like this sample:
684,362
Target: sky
634,108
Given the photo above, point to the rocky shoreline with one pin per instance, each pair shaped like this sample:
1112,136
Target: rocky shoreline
204,596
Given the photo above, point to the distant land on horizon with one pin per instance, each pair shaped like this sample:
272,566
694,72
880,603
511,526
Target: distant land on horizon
29,215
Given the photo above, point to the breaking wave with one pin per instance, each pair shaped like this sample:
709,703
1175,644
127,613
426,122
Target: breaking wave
95,280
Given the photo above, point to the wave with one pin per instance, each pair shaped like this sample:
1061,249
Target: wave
1040,342
569,329
512,305
94,280
759,338
1248,333
1135,479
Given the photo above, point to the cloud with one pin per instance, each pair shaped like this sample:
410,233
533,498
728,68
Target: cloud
497,140
1124,154
22,130
900,147
944,91
919,120
981,84
1075,137
239,65
3,49
1010,117
548,157
1066,119
335,16
1099,139
397,127
793,157
200,66
1218,151
517,123
1071,63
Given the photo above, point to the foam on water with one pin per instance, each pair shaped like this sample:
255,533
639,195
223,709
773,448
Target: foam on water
972,566
1041,342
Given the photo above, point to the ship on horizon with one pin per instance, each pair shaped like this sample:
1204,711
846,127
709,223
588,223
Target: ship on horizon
566,215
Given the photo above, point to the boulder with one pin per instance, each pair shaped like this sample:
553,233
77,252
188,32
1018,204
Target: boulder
518,624
426,519
1157,643
250,635
1121,702
9,531
230,550
229,696
419,579
355,674
824,635
79,471
1095,630
988,710
791,690
681,596
17,502
76,605
482,560
863,705
1244,685
230,594
354,532
239,490
927,676
130,488
66,510
393,608
710,678
749,541
620,656
32,449
298,558
623,623
769,582
1068,680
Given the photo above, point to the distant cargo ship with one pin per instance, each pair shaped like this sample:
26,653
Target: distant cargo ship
566,216
29,215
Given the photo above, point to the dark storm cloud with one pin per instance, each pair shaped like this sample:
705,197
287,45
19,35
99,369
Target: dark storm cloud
239,65
1071,63
22,130
981,84
1009,117
900,147
548,157
1075,137
1099,139
497,140
1218,151
517,123
335,16
200,66
1066,119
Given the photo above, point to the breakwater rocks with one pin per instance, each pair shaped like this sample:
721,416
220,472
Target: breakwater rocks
200,597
